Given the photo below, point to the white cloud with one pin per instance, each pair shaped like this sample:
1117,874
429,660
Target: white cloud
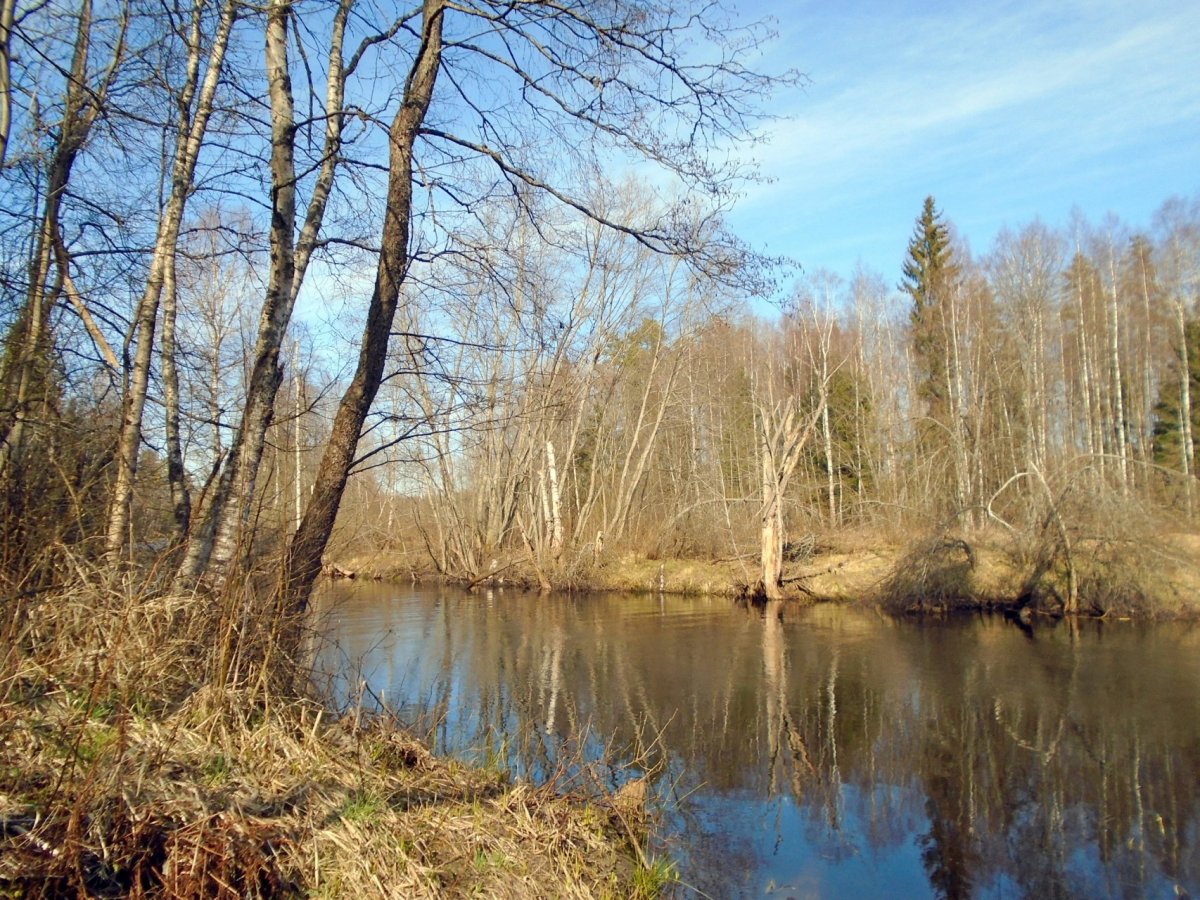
980,96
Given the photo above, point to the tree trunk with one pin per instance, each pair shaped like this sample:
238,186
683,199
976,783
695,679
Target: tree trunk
192,125
1185,404
181,504
1114,362
303,561
235,491
771,584
216,548
7,8
556,527
297,435
782,439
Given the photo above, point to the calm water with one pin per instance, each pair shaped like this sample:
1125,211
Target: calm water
823,752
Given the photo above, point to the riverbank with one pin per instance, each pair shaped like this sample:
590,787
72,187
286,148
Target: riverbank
1155,578
145,753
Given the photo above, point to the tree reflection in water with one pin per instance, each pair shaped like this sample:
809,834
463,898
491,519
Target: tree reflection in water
823,751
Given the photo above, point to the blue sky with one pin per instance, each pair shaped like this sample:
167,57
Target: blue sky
1003,111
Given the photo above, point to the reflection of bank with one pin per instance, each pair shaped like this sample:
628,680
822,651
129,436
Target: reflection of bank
852,750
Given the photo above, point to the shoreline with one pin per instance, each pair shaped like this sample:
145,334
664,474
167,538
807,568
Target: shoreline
929,576
129,766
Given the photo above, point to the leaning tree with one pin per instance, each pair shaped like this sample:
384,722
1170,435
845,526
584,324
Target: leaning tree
537,98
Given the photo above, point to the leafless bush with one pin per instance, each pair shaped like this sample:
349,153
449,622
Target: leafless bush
935,574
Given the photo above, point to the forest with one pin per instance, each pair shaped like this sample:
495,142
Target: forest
1041,392
528,357
448,292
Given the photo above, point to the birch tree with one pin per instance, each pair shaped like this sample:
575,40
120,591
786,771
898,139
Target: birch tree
588,81
214,548
7,11
194,110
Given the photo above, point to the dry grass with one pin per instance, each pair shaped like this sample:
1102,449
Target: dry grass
1123,560
1156,576
1125,567
635,573
147,749
941,573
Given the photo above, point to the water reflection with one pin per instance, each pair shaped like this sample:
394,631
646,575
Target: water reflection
823,752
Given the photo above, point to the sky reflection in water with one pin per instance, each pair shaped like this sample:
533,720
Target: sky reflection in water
823,752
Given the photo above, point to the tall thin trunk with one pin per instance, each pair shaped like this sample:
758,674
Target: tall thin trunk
235,491
1185,403
216,547
303,561
7,8
1085,374
958,407
1041,417
556,526
1114,362
771,528
298,409
181,504
192,125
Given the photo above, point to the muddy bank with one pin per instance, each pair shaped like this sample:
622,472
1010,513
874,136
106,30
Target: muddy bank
1159,577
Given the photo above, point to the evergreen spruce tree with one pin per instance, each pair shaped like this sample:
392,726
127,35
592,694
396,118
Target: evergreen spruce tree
929,276
1168,411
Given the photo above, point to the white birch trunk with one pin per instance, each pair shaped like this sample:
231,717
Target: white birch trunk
1185,403
556,526
192,125
1114,361
298,411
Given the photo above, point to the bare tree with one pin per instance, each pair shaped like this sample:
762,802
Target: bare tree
784,425
85,95
613,73
195,109
1179,254
214,547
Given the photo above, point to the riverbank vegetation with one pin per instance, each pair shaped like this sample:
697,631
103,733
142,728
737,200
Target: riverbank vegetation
144,756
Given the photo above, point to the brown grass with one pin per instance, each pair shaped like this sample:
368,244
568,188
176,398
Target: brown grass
1125,568
147,749
940,573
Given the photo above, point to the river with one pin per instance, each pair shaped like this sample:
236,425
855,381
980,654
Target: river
814,752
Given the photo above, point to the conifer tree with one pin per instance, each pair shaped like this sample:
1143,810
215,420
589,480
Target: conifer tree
929,275
1168,412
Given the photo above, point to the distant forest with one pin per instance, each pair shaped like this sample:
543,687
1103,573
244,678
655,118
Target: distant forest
604,399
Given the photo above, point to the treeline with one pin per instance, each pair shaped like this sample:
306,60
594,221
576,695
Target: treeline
535,366
605,400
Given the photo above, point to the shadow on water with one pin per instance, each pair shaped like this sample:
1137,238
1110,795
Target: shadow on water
820,752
